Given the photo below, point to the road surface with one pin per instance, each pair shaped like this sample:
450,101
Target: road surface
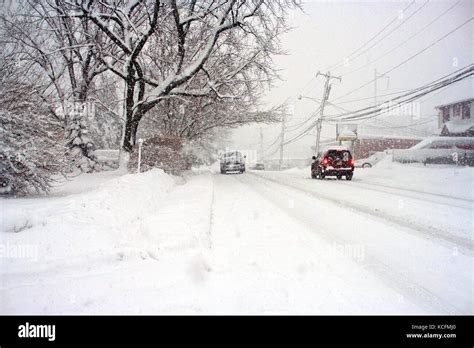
257,243
382,231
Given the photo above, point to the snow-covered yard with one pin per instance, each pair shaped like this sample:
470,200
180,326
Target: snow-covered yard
397,239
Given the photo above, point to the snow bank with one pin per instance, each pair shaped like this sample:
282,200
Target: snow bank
449,180
93,251
126,198
88,222
213,168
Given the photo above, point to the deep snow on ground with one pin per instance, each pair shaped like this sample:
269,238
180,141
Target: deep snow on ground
397,239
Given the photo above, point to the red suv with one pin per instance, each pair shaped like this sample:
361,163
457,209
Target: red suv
333,162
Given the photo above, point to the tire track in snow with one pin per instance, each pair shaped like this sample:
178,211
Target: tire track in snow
395,279
464,245
211,213
416,191
414,194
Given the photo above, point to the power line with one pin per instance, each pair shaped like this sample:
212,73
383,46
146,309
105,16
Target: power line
441,90
406,126
409,58
299,125
372,38
410,128
285,101
394,29
367,98
457,72
303,133
392,93
381,111
274,141
268,154
293,128
377,109
405,41
435,85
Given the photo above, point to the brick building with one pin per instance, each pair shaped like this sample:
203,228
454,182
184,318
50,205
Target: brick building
367,145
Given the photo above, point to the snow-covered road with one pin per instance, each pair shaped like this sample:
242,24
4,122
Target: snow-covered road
258,243
415,257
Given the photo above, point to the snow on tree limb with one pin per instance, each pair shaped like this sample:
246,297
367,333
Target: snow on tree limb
219,50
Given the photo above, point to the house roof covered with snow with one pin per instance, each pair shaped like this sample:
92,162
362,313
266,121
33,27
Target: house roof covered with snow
455,102
459,126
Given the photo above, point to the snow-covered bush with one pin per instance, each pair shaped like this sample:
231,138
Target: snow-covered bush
31,141
165,152
80,148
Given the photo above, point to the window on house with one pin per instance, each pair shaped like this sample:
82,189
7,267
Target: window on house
457,110
466,111
445,112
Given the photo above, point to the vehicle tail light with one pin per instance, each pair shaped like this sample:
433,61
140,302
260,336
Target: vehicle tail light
352,162
325,161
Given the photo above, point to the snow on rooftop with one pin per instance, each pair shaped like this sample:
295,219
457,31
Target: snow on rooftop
455,102
459,125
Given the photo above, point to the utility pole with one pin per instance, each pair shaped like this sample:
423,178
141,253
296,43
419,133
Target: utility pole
375,87
377,76
261,145
282,140
327,89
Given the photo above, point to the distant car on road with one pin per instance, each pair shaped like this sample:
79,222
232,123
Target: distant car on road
335,161
232,162
370,161
259,166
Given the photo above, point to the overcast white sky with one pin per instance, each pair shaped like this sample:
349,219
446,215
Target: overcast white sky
328,31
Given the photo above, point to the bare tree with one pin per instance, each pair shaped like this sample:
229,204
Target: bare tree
164,49
196,118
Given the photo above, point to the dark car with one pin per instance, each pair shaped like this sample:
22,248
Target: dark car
336,162
232,162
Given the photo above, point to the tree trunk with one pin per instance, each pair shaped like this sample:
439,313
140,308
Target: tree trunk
127,144
131,118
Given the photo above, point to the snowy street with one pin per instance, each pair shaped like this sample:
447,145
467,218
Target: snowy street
263,242
270,163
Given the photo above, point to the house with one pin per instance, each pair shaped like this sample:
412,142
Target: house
456,119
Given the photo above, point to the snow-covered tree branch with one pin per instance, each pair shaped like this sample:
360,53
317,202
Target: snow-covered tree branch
185,48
